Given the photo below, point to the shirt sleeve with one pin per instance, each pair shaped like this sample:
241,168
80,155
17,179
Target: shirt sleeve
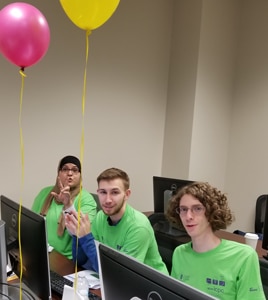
85,253
87,205
249,284
137,243
40,199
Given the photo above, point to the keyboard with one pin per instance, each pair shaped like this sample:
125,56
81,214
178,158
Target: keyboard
57,285
57,282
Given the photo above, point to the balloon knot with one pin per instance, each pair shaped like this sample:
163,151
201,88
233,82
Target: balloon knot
22,72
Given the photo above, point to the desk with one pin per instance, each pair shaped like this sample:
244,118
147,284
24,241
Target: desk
63,266
239,238
220,233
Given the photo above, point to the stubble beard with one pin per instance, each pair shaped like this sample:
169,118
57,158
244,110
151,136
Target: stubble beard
118,209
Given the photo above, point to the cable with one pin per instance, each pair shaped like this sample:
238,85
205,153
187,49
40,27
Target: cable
5,296
25,292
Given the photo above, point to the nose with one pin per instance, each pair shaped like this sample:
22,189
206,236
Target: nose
189,214
108,198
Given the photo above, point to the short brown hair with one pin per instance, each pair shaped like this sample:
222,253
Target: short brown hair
114,173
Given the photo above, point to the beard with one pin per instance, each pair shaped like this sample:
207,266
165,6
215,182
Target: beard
116,209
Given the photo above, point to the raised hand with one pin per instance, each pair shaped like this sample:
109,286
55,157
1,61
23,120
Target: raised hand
64,195
78,226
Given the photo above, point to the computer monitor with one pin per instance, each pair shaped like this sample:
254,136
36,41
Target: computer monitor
265,232
33,237
163,189
123,277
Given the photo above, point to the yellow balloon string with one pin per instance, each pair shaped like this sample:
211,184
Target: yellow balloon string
82,144
22,176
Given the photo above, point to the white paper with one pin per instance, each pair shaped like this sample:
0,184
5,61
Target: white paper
91,276
49,248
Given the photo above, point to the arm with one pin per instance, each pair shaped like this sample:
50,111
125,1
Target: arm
137,243
249,285
85,253
83,247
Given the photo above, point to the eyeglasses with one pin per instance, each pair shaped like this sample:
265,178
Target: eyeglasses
66,170
195,210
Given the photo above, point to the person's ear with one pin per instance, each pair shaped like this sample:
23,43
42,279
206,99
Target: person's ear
128,192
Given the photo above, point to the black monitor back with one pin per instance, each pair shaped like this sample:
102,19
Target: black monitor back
34,253
123,277
163,189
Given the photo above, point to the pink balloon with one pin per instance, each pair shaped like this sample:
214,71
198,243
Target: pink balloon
24,34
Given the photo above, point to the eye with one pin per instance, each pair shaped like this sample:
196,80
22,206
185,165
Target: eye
102,192
115,193
183,209
198,209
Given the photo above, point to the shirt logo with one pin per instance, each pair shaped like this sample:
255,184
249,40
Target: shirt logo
215,281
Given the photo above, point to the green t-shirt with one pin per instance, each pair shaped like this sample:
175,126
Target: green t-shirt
230,271
133,235
62,244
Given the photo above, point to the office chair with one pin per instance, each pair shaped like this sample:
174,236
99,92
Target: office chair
96,198
260,213
264,275
259,216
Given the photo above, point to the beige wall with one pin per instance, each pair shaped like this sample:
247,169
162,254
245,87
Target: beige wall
246,176
175,88
182,88
125,109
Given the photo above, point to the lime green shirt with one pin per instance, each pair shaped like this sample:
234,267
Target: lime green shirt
133,235
62,244
229,272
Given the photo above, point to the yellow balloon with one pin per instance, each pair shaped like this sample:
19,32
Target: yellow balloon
89,14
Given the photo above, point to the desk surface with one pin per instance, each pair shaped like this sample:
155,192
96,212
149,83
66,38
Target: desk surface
239,238
63,266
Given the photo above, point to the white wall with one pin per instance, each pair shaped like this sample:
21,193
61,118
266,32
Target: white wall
246,176
175,88
214,91
215,122
125,103
182,88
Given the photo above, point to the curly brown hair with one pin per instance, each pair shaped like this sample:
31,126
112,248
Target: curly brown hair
217,210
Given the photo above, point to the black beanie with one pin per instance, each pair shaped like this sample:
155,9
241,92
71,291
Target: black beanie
70,160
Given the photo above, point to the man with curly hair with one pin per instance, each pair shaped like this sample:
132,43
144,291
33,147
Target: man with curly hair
222,268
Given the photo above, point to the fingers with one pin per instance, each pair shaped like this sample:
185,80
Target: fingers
70,223
61,184
55,195
64,191
77,226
